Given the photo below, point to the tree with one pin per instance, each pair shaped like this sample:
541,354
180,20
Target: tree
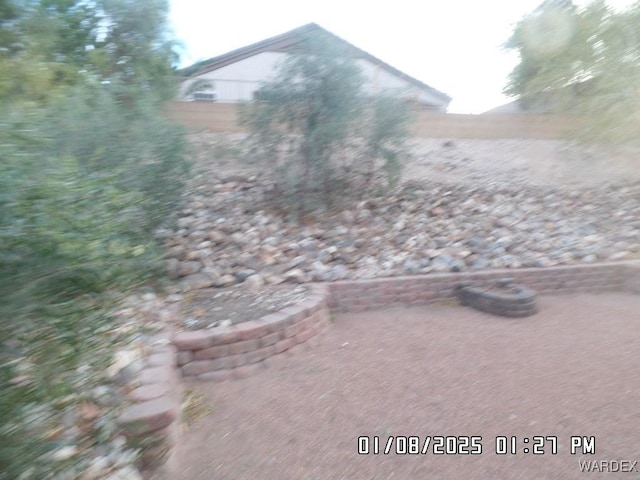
48,45
133,47
584,62
322,136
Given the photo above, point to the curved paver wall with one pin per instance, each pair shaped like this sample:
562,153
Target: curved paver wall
240,350
151,421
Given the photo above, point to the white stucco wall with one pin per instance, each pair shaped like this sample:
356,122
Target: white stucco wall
238,81
256,68
380,80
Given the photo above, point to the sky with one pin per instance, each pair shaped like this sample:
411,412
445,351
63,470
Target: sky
451,45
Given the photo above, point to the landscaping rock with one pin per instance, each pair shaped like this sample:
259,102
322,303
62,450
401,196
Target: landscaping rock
254,283
173,268
189,268
126,473
225,281
297,275
479,219
197,281
242,275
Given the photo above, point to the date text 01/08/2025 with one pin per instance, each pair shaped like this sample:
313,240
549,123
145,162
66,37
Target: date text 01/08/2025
472,445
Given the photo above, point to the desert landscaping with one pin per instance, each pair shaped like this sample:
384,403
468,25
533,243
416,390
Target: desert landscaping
463,206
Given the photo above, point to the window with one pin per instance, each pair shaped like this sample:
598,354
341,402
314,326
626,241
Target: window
205,96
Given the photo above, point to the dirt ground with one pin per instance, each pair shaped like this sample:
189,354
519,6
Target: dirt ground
557,163
210,307
570,370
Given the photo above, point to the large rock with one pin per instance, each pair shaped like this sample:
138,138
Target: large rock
173,268
254,283
189,268
411,267
216,237
274,279
225,281
196,282
339,272
177,252
297,275
185,222
242,275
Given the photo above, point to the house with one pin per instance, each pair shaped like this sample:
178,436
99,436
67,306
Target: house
235,76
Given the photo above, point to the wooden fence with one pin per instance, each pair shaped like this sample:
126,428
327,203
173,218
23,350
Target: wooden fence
223,117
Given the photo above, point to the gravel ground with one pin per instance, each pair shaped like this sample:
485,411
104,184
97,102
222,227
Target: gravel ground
466,205
518,160
216,307
433,371
548,163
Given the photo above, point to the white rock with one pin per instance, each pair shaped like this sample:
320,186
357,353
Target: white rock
296,275
254,283
97,469
196,281
191,322
189,268
126,473
63,453
185,221
274,279
121,360
123,458
119,442
225,281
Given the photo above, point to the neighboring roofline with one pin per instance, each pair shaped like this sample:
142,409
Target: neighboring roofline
513,106
281,42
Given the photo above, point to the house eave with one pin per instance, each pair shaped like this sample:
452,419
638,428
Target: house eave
284,42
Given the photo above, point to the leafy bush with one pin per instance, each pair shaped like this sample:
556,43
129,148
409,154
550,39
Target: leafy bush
89,169
83,184
319,133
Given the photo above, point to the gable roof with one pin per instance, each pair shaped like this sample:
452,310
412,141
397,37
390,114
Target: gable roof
287,42
510,107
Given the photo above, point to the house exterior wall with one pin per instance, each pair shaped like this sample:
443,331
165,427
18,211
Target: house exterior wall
380,80
236,82
256,68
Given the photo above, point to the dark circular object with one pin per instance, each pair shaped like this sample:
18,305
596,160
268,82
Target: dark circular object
503,298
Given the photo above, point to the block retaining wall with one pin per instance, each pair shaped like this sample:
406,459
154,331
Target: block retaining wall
362,295
243,349
246,348
151,421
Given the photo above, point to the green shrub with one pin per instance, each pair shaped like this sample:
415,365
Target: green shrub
322,137
80,198
89,169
